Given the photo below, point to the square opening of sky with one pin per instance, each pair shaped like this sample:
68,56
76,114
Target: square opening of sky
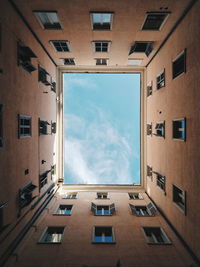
101,128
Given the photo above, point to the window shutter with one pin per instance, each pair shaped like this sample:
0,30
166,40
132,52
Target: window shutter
151,208
133,209
112,208
93,208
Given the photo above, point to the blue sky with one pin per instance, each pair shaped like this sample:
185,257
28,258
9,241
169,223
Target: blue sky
101,128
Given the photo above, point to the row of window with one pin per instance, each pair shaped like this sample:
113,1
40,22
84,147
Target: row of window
103,195
104,235
178,129
178,67
25,128
178,195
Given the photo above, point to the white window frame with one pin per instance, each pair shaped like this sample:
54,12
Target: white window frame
41,23
167,13
100,12
101,41
66,41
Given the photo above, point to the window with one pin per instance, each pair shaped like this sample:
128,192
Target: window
53,171
102,195
101,61
53,127
141,47
156,236
101,20
179,65
52,235
103,209
160,129
179,129
1,125
160,181
43,76
103,234
149,172
149,89
135,196
71,196
160,80
43,178
64,210
53,86
154,21
2,224
24,55
148,210
179,198
149,128
24,126
68,61
101,46
48,20
60,46
43,127
25,195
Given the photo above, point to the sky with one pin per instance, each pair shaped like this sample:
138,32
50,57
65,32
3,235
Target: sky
101,128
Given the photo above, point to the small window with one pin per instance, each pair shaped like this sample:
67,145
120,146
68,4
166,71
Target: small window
53,86
103,209
102,195
24,126
53,171
48,20
179,129
141,47
68,61
1,125
135,196
160,180
149,89
60,46
53,127
101,46
24,55
52,235
43,127
156,236
149,172
179,65
43,76
71,196
103,234
25,195
154,21
160,129
64,210
179,198
149,128
43,178
101,20
160,80
148,210
101,61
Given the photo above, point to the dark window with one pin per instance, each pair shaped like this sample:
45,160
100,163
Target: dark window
160,129
64,210
48,20
179,198
148,210
160,80
53,170
160,181
135,196
156,235
149,129
101,46
53,234
141,47
53,87
43,178
103,234
1,125
179,65
101,21
53,127
25,195
68,61
24,126
101,61
60,46
43,76
103,209
179,129
154,21
149,172
102,195
43,127
24,57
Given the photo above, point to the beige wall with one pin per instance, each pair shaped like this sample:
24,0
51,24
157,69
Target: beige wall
177,160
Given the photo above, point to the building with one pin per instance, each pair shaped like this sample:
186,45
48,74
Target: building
39,40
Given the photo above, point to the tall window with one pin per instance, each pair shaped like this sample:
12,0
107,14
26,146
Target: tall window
101,20
156,236
179,198
179,65
160,80
53,234
48,20
24,126
179,129
1,125
103,234
161,181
